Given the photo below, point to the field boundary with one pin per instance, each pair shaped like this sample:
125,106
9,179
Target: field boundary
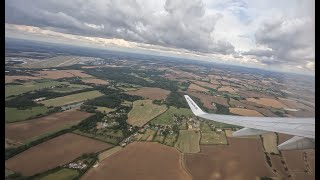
183,165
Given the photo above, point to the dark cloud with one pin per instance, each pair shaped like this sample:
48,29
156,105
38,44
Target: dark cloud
182,24
259,53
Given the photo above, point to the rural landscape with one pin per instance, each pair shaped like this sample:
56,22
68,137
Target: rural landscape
81,113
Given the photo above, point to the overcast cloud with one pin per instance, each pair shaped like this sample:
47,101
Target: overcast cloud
266,33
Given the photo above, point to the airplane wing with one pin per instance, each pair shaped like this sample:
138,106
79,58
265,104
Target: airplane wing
302,128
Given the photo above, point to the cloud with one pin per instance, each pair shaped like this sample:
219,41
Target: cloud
290,40
181,24
267,32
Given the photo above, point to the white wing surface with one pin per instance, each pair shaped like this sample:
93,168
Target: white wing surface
302,128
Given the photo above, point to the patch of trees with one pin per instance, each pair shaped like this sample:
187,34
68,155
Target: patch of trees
105,101
221,109
123,75
25,101
112,100
88,108
156,101
176,99
90,122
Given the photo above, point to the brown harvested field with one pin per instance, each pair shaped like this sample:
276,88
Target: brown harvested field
22,131
267,102
249,94
207,100
301,113
279,166
9,79
194,87
245,112
95,81
295,161
58,74
249,105
150,93
89,67
228,89
53,153
214,77
242,159
225,83
205,84
270,143
141,160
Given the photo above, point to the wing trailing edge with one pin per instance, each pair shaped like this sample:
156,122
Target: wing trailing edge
303,129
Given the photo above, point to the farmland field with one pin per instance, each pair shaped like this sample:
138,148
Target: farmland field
14,114
233,161
104,135
104,109
52,153
108,153
95,81
10,79
270,143
25,130
69,88
74,98
188,141
245,112
213,137
170,140
227,89
167,117
194,87
63,174
205,84
150,93
143,111
267,102
148,135
141,160
58,74
30,86
207,100
159,138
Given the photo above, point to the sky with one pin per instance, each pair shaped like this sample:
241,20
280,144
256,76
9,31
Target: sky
270,34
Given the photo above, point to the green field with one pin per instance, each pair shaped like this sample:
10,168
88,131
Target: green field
30,86
183,125
104,109
188,141
170,140
143,111
213,137
70,99
70,88
159,138
13,114
167,117
205,127
148,134
8,172
63,174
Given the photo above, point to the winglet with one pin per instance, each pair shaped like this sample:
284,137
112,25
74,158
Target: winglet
193,106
